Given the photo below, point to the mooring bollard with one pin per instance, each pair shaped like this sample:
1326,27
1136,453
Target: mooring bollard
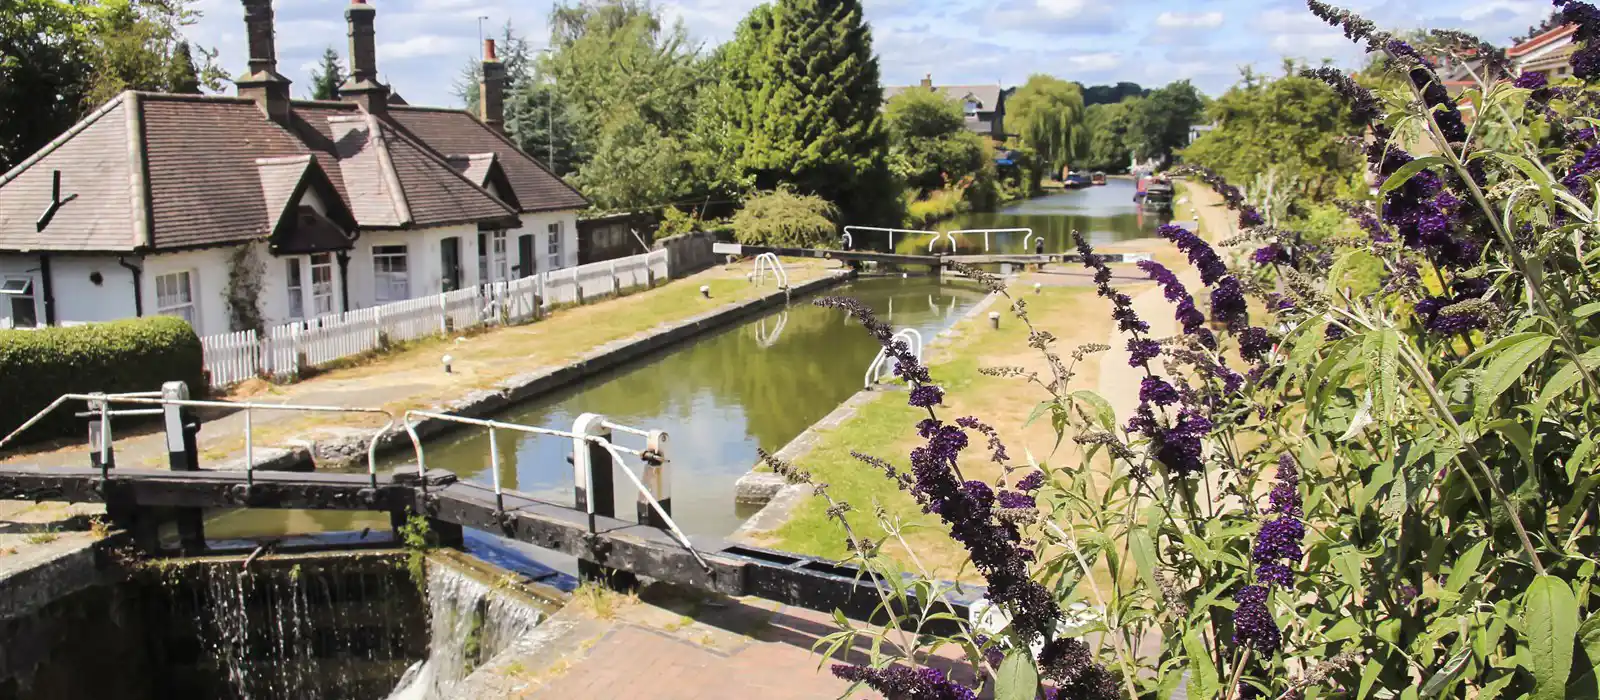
1037,287
101,454
994,320
183,455
657,477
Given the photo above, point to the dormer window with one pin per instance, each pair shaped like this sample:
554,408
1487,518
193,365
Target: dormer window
972,109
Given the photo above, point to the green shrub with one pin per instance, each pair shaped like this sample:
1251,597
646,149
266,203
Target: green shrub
675,222
38,366
783,217
937,206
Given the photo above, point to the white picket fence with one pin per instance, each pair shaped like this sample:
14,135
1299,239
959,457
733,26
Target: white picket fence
286,351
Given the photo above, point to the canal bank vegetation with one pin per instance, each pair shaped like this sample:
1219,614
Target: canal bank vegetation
1380,494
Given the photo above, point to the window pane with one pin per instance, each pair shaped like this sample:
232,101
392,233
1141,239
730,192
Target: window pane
391,283
322,284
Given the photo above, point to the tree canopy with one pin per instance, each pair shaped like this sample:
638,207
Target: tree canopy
1292,124
60,59
1111,94
1107,125
929,143
807,101
1048,114
1159,123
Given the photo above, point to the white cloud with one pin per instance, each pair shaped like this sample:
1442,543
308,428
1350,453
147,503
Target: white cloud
1189,20
420,46
1062,9
1093,62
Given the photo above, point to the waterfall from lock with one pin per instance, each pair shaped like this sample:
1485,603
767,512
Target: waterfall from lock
470,623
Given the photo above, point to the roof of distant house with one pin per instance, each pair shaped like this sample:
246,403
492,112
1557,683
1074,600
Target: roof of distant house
987,97
157,171
1542,40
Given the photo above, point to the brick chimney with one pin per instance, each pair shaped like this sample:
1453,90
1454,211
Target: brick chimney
927,81
363,87
492,88
262,82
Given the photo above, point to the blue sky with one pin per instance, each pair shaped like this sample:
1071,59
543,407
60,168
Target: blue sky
422,44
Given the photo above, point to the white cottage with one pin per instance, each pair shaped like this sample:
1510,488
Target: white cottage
257,210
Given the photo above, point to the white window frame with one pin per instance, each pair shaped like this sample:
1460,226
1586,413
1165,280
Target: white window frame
553,244
12,297
326,300
166,305
387,282
294,280
499,256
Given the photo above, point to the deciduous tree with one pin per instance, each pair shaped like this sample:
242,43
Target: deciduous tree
1047,112
929,143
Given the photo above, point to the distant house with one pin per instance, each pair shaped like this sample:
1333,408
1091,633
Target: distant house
984,105
232,211
1549,53
1198,130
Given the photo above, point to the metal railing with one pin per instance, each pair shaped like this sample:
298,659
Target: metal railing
849,238
589,429
171,399
880,364
769,263
947,235
987,231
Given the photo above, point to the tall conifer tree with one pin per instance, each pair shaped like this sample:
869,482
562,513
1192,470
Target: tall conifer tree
810,111
329,76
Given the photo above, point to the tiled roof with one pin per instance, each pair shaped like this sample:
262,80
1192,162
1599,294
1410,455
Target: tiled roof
157,171
205,186
452,132
94,159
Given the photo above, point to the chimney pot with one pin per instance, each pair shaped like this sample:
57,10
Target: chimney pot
927,80
363,86
491,89
262,82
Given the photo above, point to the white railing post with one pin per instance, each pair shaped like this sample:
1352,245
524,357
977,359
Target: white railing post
616,285
591,467
494,469
444,314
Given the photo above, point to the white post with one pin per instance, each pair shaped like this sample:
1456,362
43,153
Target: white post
657,480
494,468
377,326
592,480
616,285
444,315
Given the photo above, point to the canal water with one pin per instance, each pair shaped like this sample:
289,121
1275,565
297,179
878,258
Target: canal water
1106,213
720,397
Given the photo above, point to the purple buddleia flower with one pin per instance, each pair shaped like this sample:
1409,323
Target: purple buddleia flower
1013,500
1405,52
1254,343
1187,315
1156,390
1576,179
1368,222
1275,573
1122,304
1070,664
1365,107
1279,538
902,683
1531,81
1180,447
997,449
1286,494
1031,482
926,395
1355,27
1142,350
1253,625
1227,303
1231,196
1271,254
1200,253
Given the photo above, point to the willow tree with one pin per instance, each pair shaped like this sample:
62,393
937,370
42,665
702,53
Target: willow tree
1048,114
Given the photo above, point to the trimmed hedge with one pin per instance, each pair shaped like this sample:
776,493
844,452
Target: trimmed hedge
137,354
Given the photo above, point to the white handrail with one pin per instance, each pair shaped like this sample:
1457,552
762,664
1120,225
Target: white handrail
494,460
948,235
879,366
769,262
987,231
891,231
145,398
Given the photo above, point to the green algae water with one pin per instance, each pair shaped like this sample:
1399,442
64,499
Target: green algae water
720,397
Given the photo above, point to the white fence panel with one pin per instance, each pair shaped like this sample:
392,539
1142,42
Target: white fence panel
231,357
283,351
